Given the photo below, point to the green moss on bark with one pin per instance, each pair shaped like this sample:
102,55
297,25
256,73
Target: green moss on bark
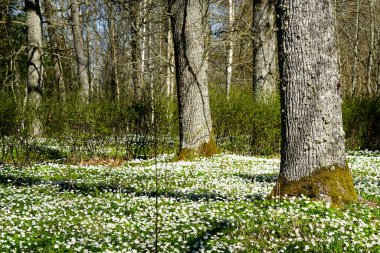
333,184
207,149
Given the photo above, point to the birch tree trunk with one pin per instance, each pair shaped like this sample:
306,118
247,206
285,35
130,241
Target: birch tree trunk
187,18
81,58
35,65
313,161
230,45
170,64
265,57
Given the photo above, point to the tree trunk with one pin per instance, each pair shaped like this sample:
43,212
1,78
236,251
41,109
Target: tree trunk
377,86
371,48
114,57
143,36
187,18
170,64
313,159
49,12
150,65
378,65
354,78
81,58
230,46
137,79
265,63
35,65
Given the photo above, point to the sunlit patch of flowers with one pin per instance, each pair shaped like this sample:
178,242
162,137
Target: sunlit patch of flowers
208,205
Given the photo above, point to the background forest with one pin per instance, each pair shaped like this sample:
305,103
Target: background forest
122,51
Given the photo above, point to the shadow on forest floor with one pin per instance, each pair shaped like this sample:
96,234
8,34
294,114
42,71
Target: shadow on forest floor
73,185
201,241
261,178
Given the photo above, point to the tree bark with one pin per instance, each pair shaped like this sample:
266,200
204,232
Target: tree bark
49,12
187,19
115,88
35,65
143,36
371,48
170,64
81,58
313,161
354,78
137,80
230,46
265,59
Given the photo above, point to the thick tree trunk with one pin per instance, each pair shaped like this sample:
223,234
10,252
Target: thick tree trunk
81,58
265,63
35,66
187,18
313,159
230,45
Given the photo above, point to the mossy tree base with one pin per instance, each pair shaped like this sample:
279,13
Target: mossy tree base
206,150
333,185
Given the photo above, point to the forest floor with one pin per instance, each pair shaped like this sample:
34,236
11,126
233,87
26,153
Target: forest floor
206,205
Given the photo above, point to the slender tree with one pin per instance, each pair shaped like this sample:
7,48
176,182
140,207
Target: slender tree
115,88
55,55
35,65
354,77
313,161
82,61
230,45
170,62
371,47
187,19
135,42
265,63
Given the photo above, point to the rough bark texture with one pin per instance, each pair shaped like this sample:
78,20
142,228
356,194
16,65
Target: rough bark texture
35,66
82,60
312,129
187,18
265,63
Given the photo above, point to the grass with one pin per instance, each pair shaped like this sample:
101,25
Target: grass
207,205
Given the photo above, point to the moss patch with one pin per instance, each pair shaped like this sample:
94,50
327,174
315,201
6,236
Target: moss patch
333,184
207,149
